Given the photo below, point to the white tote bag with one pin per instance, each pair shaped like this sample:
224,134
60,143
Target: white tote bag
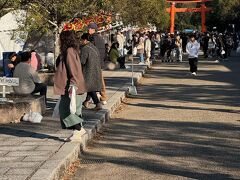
222,52
73,103
134,51
33,117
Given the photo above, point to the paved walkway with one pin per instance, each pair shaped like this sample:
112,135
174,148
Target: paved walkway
178,127
34,151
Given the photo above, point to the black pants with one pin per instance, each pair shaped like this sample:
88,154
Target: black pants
152,54
40,88
169,50
121,61
193,62
205,51
94,97
162,51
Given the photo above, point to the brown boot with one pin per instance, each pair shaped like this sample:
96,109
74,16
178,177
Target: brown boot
98,107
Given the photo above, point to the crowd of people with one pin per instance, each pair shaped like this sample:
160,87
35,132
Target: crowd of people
170,47
167,47
79,67
219,45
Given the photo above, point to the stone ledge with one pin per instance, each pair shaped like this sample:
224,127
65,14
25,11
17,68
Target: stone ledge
14,111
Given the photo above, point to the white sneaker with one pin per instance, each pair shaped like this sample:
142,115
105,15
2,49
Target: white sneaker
141,63
104,102
99,95
194,73
77,135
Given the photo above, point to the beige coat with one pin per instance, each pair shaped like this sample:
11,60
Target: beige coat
61,79
148,47
140,46
121,40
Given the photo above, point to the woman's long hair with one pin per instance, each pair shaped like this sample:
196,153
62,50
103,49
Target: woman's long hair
68,39
114,46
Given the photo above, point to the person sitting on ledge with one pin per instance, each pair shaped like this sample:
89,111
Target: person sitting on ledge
14,61
115,57
29,81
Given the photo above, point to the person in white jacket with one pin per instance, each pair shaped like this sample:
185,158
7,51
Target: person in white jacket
147,49
50,60
178,44
121,40
192,49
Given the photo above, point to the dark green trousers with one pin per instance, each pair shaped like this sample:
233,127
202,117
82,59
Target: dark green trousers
67,119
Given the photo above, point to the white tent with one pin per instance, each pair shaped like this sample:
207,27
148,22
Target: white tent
8,24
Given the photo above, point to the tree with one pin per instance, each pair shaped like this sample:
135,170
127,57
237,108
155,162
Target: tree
224,13
142,12
46,15
49,16
7,5
187,20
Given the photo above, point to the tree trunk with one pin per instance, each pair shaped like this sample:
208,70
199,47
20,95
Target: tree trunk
57,32
56,46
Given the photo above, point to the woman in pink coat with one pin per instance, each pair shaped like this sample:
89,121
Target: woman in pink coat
35,61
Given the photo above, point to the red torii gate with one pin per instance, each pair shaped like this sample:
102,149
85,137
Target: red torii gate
203,9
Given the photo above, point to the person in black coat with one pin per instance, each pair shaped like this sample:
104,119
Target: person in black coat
91,64
99,42
205,44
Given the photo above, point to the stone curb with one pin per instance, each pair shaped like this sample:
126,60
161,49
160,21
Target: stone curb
56,165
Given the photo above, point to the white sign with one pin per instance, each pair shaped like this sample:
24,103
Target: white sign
4,81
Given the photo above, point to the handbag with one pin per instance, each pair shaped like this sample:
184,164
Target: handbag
33,117
134,51
222,52
73,102
111,66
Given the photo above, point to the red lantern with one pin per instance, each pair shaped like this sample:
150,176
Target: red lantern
100,20
68,27
79,26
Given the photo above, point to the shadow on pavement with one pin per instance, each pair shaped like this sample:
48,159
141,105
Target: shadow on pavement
199,150
34,131
212,145
212,87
